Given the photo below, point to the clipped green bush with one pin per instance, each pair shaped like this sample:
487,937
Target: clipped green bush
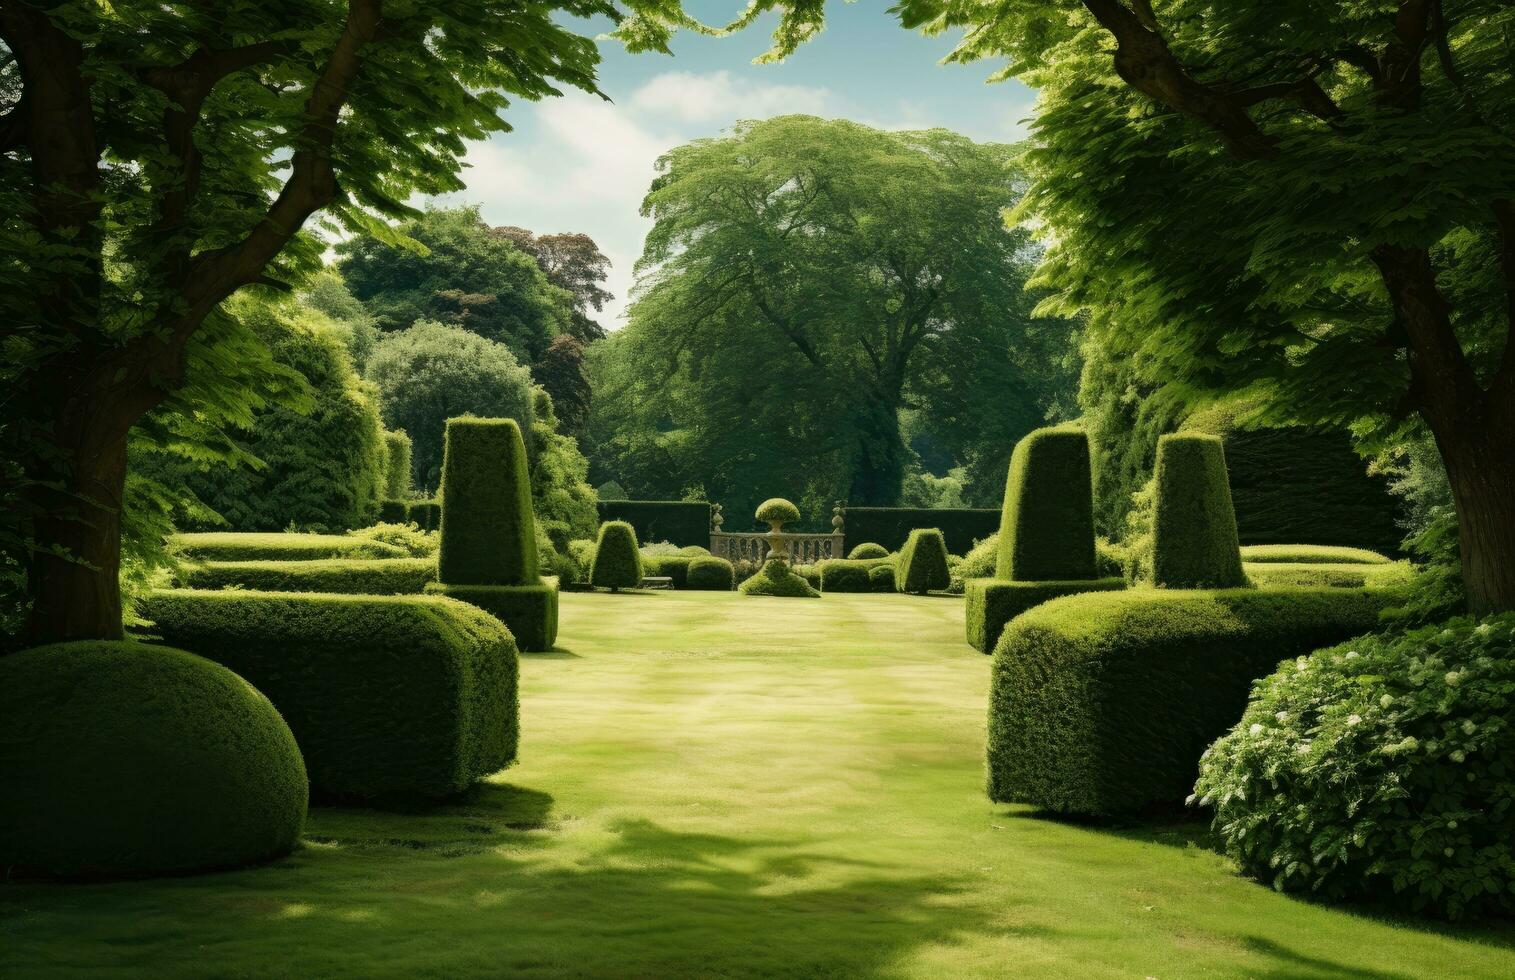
396,465
1194,542
1379,769
776,579
617,562
1102,703
389,576
385,694
274,546
675,567
881,578
695,551
425,514
778,511
394,511
851,574
711,575
922,564
810,573
488,554
413,541
1298,554
982,559
126,759
990,603
868,550
582,553
1047,525
1272,575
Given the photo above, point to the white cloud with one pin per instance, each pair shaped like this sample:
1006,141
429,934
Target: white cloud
687,97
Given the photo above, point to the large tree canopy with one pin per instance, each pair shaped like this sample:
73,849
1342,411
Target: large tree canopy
804,281
571,261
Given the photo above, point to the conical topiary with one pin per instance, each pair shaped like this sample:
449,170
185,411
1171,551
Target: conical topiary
922,565
488,553
1194,542
617,562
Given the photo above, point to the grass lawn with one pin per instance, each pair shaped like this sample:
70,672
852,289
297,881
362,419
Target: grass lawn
712,785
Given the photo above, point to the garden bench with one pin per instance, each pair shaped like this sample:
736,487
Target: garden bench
655,582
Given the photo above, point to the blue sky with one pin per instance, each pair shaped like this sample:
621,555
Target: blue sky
581,164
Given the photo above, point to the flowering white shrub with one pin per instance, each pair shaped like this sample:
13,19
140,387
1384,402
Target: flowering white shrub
1383,768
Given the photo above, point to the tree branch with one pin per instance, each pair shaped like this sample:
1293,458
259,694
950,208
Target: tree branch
1440,373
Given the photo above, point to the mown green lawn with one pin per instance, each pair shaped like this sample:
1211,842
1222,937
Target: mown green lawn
712,785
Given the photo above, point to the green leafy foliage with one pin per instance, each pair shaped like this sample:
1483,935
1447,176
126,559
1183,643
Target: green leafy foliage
488,536
1047,527
711,574
852,574
881,578
562,374
570,261
991,603
868,549
617,563
1379,770
1193,524
430,373
680,522
890,526
922,564
1321,574
561,497
408,537
385,694
1305,553
126,759
232,546
397,469
777,511
350,576
1102,703
776,578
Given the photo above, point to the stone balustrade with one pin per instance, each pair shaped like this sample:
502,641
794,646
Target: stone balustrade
804,549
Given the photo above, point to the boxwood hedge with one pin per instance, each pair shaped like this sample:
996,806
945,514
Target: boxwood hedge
385,694
1047,525
353,576
990,603
922,564
617,561
488,532
1194,542
1102,703
851,574
277,546
1296,554
711,575
682,522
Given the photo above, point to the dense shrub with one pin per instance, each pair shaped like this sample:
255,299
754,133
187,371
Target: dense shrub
990,603
1194,541
881,578
890,526
561,496
711,574
982,559
1109,558
529,611
582,553
810,573
385,694
1379,769
617,562
394,511
1269,575
1302,553
868,550
851,574
360,576
674,567
1047,528
776,579
396,465
922,564
1102,703
234,546
777,511
425,514
410,538
695,551
681,522
488,535
125,759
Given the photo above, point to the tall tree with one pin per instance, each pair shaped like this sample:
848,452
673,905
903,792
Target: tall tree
835,267
157,157
571,261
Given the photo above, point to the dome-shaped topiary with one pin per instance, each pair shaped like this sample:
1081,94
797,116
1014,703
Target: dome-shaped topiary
922,565
711,574
777,510
776,578
881,578
868,550
127,759
617,562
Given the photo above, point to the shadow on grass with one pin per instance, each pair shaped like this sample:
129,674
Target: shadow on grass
556,653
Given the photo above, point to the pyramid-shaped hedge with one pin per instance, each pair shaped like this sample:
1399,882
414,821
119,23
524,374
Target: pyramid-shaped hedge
1194,541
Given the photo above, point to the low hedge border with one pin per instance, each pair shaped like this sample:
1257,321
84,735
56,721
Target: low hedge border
890,526
1275,575
530,611
991,603
411,695
278,546
351,576
851,574
1102,704
1325,554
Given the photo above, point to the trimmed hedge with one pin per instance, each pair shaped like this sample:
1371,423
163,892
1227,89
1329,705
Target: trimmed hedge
388,576
851,574
1047,527
991,603
394,512
385,694
529,611
127,759
617,561
868,549
1326,554
922,564
1272,575
891,526
711,575
396,464
881,578
810,573
277,546
426,514
676,567
776,579
1103,703
1194,542
488,533
681,522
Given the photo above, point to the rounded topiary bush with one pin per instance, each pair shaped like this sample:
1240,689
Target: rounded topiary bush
881,578
711,575
868,549
1379,769
617,562
776,579
777,510
922,565
122,759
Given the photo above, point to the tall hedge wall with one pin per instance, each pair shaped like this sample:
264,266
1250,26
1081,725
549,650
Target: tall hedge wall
890,526
682,522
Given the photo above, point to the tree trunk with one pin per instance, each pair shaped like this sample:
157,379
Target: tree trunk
1480,464
881,461
74,584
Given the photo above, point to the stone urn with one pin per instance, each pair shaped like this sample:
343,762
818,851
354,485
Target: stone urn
776,512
